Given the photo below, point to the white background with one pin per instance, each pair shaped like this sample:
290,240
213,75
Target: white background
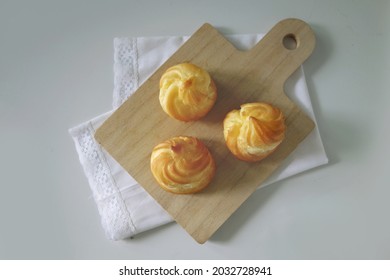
56,71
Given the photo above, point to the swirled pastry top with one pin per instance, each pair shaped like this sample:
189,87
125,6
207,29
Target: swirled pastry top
187,92
254,131
182,165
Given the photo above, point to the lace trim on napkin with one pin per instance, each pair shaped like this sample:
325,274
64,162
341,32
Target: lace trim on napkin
111,206
126,78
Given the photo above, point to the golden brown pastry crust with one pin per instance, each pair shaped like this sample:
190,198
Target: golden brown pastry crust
254,131
182,165
187,92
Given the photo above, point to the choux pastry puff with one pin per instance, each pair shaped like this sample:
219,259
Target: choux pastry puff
254,131
182,165
187,92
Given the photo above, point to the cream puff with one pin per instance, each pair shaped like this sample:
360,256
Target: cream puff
182,165
254,131
187,92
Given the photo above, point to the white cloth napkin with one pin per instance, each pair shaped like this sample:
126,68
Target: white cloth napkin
125,207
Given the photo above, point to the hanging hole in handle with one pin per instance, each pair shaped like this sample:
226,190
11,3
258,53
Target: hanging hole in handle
290,42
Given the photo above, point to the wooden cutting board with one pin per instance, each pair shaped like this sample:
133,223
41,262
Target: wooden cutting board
259,74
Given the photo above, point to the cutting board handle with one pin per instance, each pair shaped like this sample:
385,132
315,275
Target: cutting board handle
288,44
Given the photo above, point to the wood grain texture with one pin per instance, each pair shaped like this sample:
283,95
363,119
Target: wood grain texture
259,74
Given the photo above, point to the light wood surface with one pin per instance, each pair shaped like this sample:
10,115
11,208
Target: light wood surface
132,131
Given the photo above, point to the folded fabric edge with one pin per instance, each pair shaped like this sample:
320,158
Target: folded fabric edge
112,209
126,76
